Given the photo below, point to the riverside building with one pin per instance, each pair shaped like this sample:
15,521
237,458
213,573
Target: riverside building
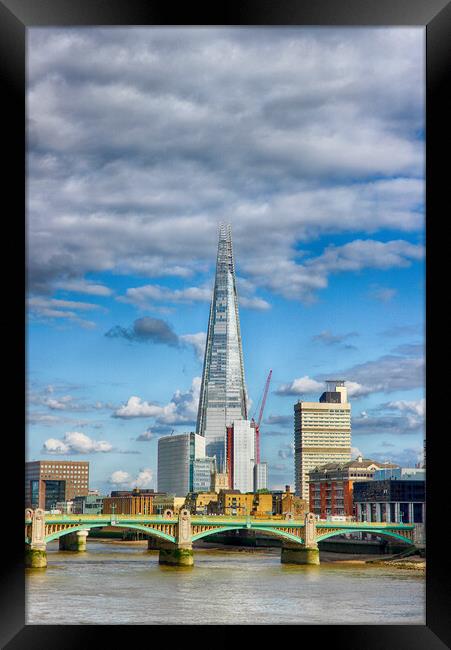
331,485
397,499
48,482
322,433
182,464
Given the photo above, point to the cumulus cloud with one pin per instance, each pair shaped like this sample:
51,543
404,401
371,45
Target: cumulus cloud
400,417
144,478
133,154
145,330
197,341
182,409
301,386
386,374
417,407
75,442
146,436
144,297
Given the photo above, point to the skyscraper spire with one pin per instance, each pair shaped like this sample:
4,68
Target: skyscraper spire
223,391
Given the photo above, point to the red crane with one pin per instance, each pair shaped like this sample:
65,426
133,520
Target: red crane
260,415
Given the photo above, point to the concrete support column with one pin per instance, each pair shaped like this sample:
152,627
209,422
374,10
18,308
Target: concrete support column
411,513
297,554
307,553
397,512
35,556
36,548
74,541
180,553
173,555
368,512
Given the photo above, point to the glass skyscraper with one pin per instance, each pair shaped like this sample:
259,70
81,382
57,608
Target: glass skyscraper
223,397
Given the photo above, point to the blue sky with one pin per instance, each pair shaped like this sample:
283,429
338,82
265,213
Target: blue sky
310,142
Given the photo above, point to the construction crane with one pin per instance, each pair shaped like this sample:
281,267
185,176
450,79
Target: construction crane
260,416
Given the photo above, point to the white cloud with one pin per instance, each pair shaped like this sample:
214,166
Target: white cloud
144,296
144,478
41,307
119,477
75,442
254,303
417,407
84,286
197,341
133,153
181,409
300,386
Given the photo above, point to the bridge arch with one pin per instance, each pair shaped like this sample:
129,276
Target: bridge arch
151,532
273,531
373,531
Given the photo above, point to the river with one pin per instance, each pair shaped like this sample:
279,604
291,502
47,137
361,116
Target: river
123,583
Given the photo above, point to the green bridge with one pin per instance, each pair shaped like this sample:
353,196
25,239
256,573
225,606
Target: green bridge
173,535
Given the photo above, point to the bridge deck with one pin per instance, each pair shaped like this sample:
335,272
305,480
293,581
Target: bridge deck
221,521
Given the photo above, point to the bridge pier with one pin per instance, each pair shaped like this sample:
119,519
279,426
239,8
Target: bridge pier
174,555
35,556
35,546
306,553
297,554
180,553
74,541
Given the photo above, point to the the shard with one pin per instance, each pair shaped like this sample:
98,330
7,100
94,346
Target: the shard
223,396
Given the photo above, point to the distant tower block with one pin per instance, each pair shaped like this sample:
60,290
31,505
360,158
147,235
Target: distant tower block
223,398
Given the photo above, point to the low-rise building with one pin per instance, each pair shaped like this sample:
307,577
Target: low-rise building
64,507
92,504
198,502
164,502
233,502
287,503
134,502
391,500
331,485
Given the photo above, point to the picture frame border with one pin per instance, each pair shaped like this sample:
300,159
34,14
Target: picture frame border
16,16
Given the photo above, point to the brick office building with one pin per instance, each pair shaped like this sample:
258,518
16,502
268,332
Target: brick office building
48,482
331,485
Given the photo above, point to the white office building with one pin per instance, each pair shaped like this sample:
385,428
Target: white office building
260,476
176,456
243,456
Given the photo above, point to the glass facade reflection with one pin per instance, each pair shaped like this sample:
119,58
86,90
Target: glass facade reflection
223,397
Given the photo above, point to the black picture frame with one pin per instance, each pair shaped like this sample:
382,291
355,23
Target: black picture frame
435,15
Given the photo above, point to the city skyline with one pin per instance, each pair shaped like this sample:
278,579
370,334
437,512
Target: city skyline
135,157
